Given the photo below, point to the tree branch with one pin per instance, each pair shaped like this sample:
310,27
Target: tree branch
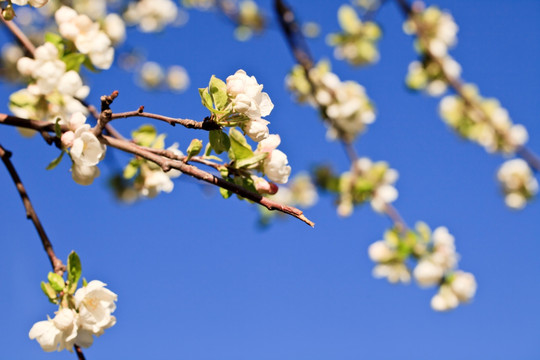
19,35
57,265
207,124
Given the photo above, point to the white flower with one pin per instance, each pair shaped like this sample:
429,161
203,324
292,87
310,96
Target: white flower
86,35
34,3
464,285
95,304
115,28
86,149
444,300
379,251
384,194
394,272
83,175
427,273
276,164
247,95
151,15
257,130
57,334
156,182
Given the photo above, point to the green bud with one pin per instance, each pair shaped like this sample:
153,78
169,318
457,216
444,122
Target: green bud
56,281
194,148
8,13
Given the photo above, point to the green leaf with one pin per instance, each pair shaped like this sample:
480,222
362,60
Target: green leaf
194,148
49,292
225,193
88,64
159,142
74,271
55,162
84,282
145,135
56,281
131,168
206,99
240,149
218,91
207,149
58,128
219,140
53,38
255,159
74,61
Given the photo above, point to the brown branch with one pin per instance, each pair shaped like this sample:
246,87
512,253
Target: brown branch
168,164
79,352
19,35
207,124
57,265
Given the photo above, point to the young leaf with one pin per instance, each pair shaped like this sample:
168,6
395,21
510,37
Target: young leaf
206,99
84,282
194,148
74,271
49,292
159,142
255,159
225,193
131,169
219,140
74,61
88,64
57,127
240,149
218,91
56,281
145,135
55,162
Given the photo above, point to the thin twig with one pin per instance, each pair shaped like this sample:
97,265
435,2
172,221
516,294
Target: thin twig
21,37
168,164
188,123
57,265
165,164
79,352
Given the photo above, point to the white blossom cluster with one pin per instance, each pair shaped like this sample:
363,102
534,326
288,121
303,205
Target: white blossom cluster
344,103
87,36
436,33
484,121
518,183
84,148
50,82
358,42
430,76
91,315
276,166
34,3
248,99
436,264
373,182
436,30
151,15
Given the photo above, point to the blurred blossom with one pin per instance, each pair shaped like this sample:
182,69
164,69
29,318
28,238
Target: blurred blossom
177,78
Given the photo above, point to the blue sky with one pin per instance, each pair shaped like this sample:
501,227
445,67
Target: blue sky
197,279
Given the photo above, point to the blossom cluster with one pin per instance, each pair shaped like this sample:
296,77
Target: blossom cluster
481,120
151,15
436,262
83,313
358,42
142,177
344,104
87,36
432,76
34,3
54,91
518,183
85,149
367,181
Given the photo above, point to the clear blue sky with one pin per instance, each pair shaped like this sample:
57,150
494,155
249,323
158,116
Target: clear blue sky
198,280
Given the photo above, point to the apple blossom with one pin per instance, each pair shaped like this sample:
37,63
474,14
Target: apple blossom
95,304
463,285
518,183
428,273
82,174
59,333
275,164
86,149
